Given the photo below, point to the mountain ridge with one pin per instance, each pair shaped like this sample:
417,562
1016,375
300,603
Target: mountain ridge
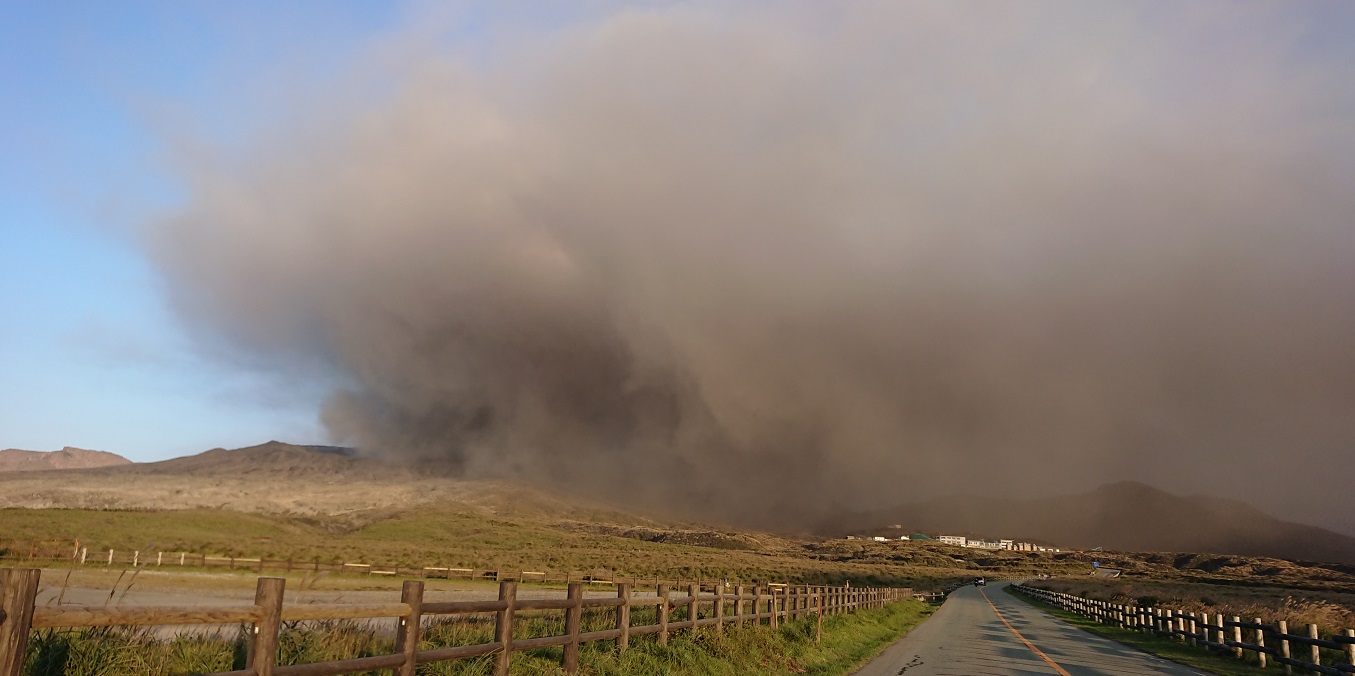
1123,516
68,458
281,478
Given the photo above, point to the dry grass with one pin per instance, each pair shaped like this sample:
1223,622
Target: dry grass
458,536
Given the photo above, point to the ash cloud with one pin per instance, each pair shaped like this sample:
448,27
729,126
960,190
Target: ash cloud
763,265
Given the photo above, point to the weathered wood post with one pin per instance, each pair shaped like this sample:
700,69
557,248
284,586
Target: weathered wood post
1284,645
1350,646
818,630
693,593
623,618
739,592
662,593
773,606
110,557
1237,636
407,634
1316,651
573,620
1221,636
263,648
1261,642
18,592
503,627
720,608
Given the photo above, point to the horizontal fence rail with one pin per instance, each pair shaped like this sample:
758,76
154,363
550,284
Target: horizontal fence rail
1267,642
696,608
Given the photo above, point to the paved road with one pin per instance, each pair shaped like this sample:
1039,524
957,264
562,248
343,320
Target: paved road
968,637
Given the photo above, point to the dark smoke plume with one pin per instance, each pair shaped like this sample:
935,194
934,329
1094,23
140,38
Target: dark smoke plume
762,265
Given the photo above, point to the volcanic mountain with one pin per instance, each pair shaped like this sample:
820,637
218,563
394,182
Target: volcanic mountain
276,478
1126,516
15,460
279,478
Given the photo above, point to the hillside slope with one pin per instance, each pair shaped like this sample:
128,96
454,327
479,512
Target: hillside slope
284,479
1125,516
16,460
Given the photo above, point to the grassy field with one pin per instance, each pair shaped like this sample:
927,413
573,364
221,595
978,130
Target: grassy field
847,641
454,536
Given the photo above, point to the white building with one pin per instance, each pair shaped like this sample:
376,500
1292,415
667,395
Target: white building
983,544
957,540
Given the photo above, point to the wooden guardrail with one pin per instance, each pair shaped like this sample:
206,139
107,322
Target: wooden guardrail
1267,641
19,616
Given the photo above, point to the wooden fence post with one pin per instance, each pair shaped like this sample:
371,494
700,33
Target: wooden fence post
773,605
1317,654
1261,642
1284,645
263,648
573,619
818,631
503,627
1350,647
623,618
407,635
693,592
720,608
739,591
662,593
1237,637
18,592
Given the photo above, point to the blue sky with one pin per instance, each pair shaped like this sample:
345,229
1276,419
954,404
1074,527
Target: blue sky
90,355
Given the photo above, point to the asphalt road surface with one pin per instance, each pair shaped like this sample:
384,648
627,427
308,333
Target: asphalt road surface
982,631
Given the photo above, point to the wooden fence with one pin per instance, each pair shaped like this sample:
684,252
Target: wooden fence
19,616
1268,642
32,553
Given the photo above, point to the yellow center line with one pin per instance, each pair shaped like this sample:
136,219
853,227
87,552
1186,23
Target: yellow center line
1030,645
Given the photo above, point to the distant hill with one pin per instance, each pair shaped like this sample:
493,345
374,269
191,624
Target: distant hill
281,478
1125,516
15,460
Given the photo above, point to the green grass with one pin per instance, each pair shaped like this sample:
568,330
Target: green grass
453,536
848,640
1167,648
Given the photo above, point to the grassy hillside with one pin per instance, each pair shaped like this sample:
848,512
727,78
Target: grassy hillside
460,536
